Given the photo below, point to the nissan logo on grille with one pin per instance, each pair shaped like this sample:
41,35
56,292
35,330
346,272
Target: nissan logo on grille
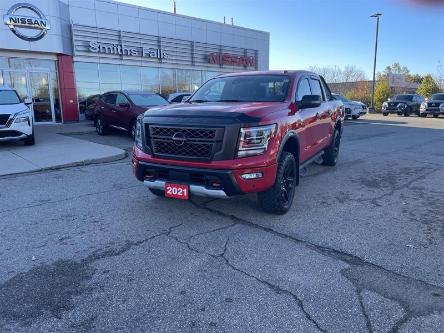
19,23
179,138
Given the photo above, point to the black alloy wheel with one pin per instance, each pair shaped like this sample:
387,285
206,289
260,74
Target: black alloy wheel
288,184
279,198
331,154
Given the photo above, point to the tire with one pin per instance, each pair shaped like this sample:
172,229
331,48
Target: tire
435,115
158,193
407,112
133,129
30,139
355,117
330,157
385,114
423,115
101,127
279,198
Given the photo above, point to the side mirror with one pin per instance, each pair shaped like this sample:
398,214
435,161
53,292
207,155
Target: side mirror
27,101
124,105
310,101
185,99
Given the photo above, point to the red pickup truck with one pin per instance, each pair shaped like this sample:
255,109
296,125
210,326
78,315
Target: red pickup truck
240,133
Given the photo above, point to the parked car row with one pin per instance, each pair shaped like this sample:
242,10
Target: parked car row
408,104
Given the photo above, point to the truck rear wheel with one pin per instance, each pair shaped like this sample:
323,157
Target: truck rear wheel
330,156
279,198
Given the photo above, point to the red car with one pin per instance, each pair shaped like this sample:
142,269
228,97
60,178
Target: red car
119,109
240,133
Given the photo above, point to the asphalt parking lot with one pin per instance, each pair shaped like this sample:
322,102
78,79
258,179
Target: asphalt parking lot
90,249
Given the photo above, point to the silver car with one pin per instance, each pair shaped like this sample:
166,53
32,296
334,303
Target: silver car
353,109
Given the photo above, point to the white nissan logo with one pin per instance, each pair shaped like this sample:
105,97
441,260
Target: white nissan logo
20,24
179,138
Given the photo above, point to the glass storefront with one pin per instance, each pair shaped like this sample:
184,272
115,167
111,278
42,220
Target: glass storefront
93,78
35,79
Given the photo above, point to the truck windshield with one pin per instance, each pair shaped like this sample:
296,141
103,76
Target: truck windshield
437,97
407,98
9,97
246,88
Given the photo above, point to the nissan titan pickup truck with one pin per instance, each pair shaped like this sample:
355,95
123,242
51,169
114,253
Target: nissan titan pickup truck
240,133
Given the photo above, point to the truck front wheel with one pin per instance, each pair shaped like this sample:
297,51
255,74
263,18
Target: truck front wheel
279,198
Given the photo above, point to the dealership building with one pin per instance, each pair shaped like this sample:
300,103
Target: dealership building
58,52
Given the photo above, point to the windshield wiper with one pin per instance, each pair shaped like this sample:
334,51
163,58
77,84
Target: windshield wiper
198,101
229,100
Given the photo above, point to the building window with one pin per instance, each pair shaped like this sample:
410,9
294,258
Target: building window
167,81
150,79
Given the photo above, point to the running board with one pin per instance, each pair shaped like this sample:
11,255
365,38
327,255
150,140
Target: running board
311,160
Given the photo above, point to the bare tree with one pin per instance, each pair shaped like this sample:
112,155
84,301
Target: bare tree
439,76
335,74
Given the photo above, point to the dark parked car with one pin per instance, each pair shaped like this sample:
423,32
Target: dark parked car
87,106
119,109
434,106
403,104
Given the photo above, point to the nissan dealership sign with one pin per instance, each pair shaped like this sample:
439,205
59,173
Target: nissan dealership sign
120,49
30,27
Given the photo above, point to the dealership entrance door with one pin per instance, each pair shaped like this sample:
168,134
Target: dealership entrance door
36,85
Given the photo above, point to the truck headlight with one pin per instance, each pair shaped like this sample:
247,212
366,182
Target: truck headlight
22,117
254,140
138,136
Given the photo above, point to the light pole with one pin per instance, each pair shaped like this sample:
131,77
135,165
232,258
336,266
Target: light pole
377,15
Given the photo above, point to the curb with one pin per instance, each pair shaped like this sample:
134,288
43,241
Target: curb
108,159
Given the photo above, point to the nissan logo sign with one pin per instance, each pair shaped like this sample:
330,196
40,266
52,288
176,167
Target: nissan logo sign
179,138
20,24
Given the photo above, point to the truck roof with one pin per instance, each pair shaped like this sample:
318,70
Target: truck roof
273,72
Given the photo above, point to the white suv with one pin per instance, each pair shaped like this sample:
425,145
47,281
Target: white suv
16,121
353,109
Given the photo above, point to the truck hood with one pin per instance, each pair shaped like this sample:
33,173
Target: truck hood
13,108
245,112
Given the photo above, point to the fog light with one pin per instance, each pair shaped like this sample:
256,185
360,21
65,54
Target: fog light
253,175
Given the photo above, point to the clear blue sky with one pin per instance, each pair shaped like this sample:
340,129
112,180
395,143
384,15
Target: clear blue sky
332,32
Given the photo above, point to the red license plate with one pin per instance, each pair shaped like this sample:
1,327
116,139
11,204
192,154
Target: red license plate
177,191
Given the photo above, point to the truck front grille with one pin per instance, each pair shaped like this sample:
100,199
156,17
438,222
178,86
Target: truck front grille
184,142
188,149
4,119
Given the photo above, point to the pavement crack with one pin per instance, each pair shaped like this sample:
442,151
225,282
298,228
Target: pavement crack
115,252
212,230
275,288
43,203
368,322
422,299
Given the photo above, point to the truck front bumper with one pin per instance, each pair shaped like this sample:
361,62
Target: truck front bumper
216,183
